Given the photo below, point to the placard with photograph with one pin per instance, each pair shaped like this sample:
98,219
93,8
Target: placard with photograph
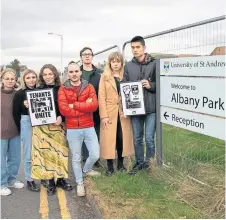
41,106
132,98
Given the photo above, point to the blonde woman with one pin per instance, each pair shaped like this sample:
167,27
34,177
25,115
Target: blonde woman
116,129
21,116
10,139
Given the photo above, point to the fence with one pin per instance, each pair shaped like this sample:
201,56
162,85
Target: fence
196,155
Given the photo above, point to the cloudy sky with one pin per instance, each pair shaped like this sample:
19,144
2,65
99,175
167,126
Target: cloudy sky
95,23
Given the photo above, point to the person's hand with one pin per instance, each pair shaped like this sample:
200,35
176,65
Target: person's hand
122,116
145,84
58,121
71,105
26,104
104,123
89,100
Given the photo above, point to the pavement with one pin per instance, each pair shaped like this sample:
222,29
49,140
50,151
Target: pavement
24,204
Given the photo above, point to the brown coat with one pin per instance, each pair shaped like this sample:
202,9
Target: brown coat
109,107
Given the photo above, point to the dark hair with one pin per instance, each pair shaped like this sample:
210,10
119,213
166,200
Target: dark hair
72,62
85,48
55,72
138,39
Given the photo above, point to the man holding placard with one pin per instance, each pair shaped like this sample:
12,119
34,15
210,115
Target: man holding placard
142,70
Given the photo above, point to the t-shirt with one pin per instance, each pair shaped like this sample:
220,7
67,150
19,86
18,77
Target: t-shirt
77,88
86,74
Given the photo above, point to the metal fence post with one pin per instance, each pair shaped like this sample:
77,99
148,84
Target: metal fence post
158,117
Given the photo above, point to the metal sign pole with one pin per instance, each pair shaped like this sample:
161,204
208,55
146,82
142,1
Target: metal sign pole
158,117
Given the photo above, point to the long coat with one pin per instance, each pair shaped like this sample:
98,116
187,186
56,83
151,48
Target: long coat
109,107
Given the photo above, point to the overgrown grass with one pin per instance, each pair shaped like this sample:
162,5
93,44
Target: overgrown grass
187,151
169,193
140,196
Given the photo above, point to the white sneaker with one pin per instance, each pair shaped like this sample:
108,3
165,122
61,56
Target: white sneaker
17,184
81,190
4,191
92,173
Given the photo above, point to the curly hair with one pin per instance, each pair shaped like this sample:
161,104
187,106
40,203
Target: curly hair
55,72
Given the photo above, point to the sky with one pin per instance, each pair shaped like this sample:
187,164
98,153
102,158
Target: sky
98,24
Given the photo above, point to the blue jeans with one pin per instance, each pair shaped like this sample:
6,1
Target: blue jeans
75,139
10,160
26,138
138,123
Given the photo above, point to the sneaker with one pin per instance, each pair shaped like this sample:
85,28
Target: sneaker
5,191
17,184
92,173
81,190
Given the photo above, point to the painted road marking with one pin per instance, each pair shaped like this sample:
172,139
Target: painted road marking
44,206
65,214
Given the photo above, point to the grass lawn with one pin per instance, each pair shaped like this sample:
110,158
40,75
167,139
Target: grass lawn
140,196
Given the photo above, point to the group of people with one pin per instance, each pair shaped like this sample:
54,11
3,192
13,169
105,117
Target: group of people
90,121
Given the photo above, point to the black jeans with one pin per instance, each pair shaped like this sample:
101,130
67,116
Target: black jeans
119,146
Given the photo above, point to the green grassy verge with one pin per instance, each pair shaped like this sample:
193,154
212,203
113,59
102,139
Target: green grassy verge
140,196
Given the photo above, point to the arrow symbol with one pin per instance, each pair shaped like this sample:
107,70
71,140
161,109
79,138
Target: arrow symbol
165,115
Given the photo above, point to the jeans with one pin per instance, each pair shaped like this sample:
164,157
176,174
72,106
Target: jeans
26,138
85,152
138,132
10,160
75,139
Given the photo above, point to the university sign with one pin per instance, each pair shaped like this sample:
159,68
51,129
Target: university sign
192,94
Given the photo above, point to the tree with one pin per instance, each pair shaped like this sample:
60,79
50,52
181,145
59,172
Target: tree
15,64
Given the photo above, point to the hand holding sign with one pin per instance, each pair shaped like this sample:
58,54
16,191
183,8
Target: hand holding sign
145,84
26,104
58,121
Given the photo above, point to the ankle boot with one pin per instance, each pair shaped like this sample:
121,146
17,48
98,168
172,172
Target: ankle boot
110,169
120,165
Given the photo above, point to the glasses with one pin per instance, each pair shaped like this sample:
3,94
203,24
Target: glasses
76,71
87,54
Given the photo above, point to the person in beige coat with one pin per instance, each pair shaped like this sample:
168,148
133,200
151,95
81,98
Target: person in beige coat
116,128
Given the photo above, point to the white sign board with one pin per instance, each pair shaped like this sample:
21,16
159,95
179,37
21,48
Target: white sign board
41,106
132,98
204,95
194,66
204,124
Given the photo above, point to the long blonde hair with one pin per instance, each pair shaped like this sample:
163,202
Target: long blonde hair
114,56
24,73
8,70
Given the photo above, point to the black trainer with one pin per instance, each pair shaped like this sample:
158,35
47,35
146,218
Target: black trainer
31,185
136,168
61,182
109,172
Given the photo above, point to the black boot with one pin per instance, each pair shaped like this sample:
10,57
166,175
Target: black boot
110,169
31,185
136,168
61,182
120,165
51,189
45,183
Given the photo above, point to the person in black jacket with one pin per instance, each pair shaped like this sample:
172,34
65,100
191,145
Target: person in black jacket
91,74
22,120
49,145
143,68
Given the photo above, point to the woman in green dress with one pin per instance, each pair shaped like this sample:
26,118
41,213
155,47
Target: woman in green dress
49,145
